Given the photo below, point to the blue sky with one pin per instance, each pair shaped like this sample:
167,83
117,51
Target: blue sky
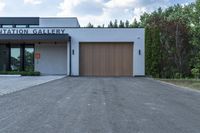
94,11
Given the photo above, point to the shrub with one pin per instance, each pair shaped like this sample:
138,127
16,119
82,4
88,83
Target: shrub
195,72
22,73
178,75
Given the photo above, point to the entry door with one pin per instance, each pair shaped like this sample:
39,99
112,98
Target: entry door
22,57
106,59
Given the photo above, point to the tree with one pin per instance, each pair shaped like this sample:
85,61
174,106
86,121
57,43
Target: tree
121,24
89,25
152,51
195,33
127,24
110,25
135,24
115,24
148,51
170,48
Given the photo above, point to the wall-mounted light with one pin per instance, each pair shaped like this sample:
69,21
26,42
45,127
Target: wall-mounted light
73,52
139,52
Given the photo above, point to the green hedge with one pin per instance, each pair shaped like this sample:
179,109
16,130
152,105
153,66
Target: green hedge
22,73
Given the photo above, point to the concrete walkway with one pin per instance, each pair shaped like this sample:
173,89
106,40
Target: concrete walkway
12,84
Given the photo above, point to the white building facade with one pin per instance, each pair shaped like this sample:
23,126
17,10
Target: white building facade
57,46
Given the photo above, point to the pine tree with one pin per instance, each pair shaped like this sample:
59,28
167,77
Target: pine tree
155,53
148,51
127,24
110,25
135,24
115,24
89,25
121,24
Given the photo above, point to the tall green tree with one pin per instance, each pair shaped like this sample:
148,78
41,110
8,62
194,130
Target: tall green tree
195,33
89,25
127,24
115,24
110,25
121,24
135,24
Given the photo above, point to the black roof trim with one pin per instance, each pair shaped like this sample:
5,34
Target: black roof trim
19,20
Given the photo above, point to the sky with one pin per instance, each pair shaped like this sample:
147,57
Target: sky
97,12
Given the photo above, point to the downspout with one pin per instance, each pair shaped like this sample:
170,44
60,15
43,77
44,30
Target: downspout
70,57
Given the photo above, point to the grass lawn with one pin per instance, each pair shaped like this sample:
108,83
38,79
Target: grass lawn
191,83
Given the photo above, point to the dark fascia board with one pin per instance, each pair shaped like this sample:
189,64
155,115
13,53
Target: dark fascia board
35,38
19,20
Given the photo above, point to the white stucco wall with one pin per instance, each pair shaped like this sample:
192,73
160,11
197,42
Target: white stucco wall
53,58
109,35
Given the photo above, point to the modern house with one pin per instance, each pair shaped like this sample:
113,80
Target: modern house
57,46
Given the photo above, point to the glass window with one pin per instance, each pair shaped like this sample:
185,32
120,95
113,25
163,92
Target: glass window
29,59
22,57
15,59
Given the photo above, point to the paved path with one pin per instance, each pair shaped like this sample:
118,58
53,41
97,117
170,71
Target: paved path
12,84
101,105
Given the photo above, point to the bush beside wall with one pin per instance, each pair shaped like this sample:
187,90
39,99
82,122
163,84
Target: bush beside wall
22,73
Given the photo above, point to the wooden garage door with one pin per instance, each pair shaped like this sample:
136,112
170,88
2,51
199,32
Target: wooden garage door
106,59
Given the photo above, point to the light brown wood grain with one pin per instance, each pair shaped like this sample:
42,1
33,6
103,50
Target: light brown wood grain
106,59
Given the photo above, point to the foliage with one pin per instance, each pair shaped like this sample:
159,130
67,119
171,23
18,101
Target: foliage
22,73
171,44
195,72
153,55
90,25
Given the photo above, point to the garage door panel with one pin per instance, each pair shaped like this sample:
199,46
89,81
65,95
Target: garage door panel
106,59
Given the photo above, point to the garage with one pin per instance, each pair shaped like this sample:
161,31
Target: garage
106,59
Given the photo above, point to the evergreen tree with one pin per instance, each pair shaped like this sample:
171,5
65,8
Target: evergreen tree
127,24
89,25
115,24
121,24
155,53
148,51
135,24
110,25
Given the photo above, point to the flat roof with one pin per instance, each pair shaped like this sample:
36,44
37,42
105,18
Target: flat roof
19,20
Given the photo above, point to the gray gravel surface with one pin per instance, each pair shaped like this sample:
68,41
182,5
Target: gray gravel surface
101,105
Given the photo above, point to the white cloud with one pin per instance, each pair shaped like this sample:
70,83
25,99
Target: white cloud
2,5
137,12
102,11
33,2
119,3
96,11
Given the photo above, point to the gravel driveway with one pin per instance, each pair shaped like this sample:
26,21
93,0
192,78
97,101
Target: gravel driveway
101,105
